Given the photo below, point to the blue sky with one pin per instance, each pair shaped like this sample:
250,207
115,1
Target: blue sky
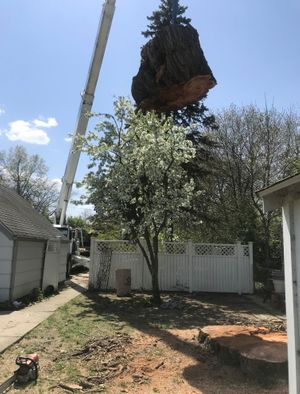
253,48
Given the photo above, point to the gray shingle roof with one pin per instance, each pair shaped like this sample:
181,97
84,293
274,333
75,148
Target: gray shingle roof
21,220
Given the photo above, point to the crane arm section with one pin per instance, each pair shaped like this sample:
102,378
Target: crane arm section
87,98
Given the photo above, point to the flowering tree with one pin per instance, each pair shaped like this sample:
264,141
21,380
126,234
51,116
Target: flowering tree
137,176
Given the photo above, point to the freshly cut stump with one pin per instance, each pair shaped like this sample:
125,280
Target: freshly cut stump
173,71
259,353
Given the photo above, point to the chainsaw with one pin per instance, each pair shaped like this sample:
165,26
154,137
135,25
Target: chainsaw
27,371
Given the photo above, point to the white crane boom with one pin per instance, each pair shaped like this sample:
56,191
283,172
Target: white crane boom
87,98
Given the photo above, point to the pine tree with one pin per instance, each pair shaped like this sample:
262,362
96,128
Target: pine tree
164,17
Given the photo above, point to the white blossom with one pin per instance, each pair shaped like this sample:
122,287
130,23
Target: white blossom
140,179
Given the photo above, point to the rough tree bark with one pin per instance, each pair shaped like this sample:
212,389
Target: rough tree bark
173,71
152,262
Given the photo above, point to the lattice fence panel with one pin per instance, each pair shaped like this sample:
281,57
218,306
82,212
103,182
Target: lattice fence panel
174,248
246,251
214,250
117,246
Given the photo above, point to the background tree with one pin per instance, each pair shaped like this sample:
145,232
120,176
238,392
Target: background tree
138,178
27,175
77,222
83,224
255,148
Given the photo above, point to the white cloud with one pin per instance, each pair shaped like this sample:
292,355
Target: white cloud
2,111
20,130
30,131
51,122
68,139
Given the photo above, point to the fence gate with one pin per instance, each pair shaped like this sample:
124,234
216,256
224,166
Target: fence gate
183,266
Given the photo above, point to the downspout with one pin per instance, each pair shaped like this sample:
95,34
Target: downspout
13,270
43,267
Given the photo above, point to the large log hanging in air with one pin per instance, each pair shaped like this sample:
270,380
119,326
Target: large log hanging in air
173,71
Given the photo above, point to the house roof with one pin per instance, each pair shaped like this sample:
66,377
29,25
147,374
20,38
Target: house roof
20,220
276,195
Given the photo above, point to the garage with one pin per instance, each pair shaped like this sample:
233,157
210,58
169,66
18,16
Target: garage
33,254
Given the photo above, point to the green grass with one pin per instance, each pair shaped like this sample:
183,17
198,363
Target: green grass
62,334
77,321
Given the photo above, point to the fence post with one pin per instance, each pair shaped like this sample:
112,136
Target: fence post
251,282
239,250
190,264
92,263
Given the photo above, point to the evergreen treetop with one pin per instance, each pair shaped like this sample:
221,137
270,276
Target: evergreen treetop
164,17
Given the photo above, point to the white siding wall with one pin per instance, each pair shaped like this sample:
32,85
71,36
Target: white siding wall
64,249
51,264
55,263
6,251
29,265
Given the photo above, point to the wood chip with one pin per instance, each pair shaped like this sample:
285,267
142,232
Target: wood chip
159,365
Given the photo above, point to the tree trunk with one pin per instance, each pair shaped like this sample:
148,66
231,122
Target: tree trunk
152,262
155,283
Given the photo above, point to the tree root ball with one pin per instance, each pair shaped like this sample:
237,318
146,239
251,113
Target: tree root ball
173,71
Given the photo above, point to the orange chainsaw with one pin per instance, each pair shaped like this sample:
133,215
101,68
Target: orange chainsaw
27,371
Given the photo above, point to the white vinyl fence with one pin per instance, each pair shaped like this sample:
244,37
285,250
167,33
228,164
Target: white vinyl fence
193,267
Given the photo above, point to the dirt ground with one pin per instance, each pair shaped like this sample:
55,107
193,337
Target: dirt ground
176,364
101,343
165,356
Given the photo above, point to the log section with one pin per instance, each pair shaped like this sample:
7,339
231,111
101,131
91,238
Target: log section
258,352
173,71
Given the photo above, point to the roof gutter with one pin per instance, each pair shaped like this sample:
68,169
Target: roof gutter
24,238
276,195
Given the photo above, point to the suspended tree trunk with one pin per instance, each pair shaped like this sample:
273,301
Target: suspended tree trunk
173,71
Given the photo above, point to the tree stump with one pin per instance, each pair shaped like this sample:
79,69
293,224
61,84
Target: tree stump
259,353
173,71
